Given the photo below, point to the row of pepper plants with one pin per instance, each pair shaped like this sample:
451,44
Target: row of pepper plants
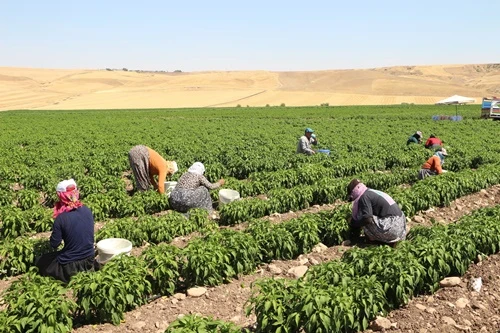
220,256
18,254
323,191
28,216
27,209
19,221
388,160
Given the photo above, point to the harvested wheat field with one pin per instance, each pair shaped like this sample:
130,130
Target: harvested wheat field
28,88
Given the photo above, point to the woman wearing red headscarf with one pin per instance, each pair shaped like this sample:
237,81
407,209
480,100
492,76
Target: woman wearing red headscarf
73,224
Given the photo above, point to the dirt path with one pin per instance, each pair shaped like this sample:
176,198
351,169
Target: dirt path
225,302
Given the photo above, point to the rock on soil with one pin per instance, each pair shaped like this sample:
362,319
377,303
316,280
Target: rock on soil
274,269
418,219
450,281
447,320
298,271
461,303
303,260
313,261
320,247
180,296
380,323
420,307
196,291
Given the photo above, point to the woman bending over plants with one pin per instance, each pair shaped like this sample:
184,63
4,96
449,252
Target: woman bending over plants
147,163
191,190
74,225
434,165
376,213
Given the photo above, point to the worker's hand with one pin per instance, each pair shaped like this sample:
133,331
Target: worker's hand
313,152
222,182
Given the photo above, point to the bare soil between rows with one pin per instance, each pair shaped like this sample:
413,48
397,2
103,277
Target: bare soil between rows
455,309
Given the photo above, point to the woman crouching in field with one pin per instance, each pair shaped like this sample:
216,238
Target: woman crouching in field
191,190
73,224
376,213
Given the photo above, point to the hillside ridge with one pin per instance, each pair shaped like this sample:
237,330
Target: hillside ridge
32,88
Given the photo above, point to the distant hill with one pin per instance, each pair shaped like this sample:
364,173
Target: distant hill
29,88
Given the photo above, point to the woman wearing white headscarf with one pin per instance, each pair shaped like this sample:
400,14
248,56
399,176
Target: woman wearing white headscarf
191,190
73,226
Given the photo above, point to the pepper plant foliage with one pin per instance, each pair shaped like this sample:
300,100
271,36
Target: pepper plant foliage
197,324
103,296
163,264
205,261
18,255
37,304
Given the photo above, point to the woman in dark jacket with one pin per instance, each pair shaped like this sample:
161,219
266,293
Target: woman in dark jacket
73,224
376,213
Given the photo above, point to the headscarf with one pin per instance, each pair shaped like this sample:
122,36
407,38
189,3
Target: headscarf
441,153
419,134
197,168
172,167
355,191
68,197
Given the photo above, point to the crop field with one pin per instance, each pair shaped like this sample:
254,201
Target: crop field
253,149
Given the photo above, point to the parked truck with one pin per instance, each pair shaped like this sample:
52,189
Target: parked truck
490,108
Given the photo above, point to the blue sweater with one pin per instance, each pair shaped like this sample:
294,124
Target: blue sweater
76,228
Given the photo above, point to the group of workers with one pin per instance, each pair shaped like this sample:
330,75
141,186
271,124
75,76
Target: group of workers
192,189
434,165
375,212
74,223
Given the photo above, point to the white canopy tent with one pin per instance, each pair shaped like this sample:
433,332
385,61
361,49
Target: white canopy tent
456,99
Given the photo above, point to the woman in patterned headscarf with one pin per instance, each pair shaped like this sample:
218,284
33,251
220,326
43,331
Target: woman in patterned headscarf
376,213
147,163
191,190
74,225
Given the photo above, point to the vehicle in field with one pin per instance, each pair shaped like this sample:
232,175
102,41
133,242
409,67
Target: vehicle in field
490,108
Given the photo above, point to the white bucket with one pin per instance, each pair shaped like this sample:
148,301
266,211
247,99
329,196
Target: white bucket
226,196
110,247
169,186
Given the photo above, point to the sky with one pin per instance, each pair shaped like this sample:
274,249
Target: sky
246,35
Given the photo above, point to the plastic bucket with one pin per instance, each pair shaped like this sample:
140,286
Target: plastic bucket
110,247
226,196
324,151
169,186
